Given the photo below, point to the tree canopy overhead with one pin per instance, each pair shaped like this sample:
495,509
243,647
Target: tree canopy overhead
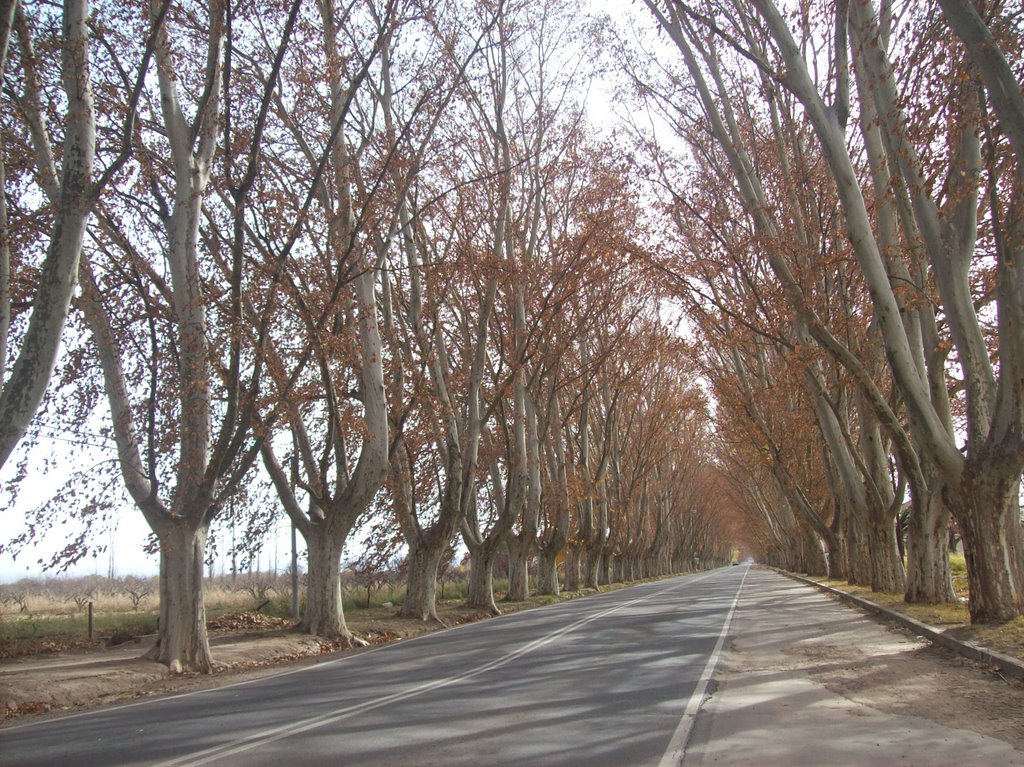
369,263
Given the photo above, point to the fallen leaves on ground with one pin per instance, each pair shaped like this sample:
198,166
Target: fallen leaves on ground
245,620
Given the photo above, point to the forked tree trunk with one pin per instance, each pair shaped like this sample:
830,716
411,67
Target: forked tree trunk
547,573
929,579
182,642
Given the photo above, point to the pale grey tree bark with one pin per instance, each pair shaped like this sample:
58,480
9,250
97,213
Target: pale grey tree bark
337,503
72,191
181,514
182,525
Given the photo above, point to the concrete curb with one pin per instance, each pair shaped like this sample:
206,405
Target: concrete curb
1004,663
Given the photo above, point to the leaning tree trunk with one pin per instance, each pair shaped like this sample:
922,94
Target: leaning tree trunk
986,507
182,642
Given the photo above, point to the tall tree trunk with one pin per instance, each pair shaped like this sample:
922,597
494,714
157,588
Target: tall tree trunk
182,643
518,571
324,615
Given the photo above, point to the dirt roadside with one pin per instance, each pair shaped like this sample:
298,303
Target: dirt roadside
245,646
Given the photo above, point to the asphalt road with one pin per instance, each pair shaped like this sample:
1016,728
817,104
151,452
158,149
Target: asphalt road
613,679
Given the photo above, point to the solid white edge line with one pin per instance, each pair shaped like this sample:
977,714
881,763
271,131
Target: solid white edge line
270,735
673,756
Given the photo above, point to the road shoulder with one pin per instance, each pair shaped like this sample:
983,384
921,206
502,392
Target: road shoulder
809,681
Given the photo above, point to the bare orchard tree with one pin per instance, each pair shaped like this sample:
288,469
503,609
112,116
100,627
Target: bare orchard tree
137,589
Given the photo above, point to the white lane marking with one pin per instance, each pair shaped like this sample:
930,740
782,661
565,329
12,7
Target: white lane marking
280,732
673,756
319,665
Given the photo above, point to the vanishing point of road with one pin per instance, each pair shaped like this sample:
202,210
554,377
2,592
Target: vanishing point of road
611,680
